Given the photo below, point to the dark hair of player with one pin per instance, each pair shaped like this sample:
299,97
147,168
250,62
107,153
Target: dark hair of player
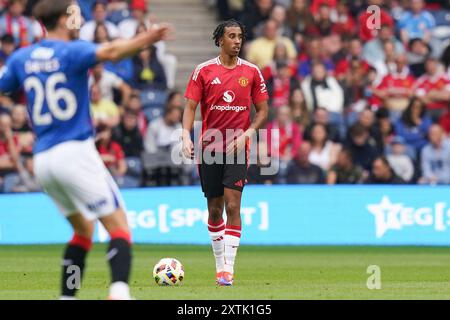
49,11
220,30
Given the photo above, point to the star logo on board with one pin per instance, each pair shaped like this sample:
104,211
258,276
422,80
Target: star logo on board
386,216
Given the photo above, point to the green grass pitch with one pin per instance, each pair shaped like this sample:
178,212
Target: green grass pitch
33,272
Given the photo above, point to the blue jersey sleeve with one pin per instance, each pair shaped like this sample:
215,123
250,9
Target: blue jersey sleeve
9,81
83,55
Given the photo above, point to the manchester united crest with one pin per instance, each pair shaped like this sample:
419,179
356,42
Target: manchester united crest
243,81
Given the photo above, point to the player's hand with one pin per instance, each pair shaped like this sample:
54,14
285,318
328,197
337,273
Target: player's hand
188,149
162,31
236,146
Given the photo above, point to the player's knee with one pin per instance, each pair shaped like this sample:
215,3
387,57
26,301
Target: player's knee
215,212
232,208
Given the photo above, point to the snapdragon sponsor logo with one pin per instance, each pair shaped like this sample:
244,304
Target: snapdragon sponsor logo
397,216
167,219
229,108
228,96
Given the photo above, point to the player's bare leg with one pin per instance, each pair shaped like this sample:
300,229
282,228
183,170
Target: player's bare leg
216,229
119,254
75,255
232,235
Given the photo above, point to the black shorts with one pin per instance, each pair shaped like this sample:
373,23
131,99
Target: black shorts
231,174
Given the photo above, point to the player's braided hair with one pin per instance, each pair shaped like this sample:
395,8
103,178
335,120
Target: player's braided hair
220,30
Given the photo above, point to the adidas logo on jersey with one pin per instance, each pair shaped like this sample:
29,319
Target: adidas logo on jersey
216,81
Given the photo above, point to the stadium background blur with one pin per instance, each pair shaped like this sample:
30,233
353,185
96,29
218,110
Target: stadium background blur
353,104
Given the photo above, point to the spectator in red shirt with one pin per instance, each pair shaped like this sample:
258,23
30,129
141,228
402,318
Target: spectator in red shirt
135,106
316,4
323,25
111,153
354,53
9,150
279,54
433,88
396,88
281,85
367,31
288,139
344,22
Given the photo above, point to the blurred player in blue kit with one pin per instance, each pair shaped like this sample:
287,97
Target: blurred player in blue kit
54,75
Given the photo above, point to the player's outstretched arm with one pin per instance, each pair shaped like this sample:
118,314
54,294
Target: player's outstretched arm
188,123
123,48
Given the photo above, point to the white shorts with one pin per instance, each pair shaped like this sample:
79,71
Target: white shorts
75,177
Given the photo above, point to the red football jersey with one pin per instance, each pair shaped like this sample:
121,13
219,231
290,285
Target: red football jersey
427,83
225,96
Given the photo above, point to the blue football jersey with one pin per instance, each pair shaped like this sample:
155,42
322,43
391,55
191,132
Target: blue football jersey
54,76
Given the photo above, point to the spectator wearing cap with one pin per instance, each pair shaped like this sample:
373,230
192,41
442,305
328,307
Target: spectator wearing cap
345,171
99,16
413,125
261,50
435,158
301,171
433,88
367,31
416,23
399,160
128,27
382,173
14,22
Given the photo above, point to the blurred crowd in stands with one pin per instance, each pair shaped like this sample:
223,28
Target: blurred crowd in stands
354,99
358,95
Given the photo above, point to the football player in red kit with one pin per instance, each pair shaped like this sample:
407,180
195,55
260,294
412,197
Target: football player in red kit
226,87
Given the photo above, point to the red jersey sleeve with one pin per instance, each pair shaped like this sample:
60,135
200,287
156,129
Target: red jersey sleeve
259,88
194,88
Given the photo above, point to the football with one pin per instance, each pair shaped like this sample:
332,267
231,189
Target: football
168,272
